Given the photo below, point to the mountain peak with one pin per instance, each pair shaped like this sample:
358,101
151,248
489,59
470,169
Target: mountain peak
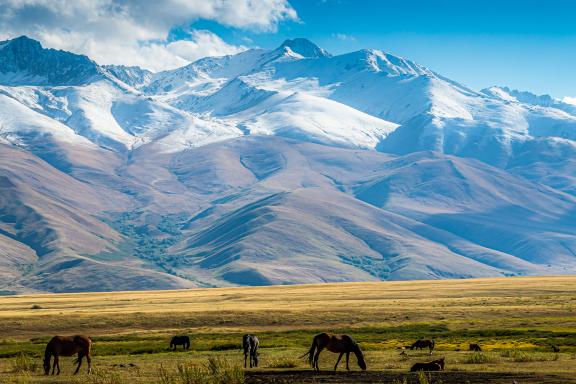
305,48
23,40
23,61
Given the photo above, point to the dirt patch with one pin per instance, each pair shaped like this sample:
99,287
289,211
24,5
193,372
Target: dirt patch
297,377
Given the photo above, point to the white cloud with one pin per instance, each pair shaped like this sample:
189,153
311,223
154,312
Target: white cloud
569,100
134,32
343,37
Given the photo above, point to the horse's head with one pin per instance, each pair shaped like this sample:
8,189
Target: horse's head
360,357
46,366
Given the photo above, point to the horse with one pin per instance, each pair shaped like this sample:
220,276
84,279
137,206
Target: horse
342,344
67,346
250,344
184,341
475,348
440,362
430,366
555,348
435,365
421,343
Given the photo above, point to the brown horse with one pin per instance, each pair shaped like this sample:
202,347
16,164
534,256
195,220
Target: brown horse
67,346
423,343
342,344
431,366
475,348
436,365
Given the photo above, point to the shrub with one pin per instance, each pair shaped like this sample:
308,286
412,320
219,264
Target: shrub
523,357
423,378
101,377
224,373
225,347
24,363
189,373
165,377
214,371
282,363
481,358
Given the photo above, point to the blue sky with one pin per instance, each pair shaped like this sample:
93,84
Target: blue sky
526,44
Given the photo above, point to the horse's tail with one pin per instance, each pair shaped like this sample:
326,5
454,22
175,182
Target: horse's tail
246,344
310,353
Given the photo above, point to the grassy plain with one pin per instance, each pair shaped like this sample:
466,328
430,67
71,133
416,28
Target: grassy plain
515,320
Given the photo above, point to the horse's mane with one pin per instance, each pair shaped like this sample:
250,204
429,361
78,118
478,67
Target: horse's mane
355,346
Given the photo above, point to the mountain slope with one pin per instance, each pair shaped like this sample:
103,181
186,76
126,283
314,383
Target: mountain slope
433,113
274,167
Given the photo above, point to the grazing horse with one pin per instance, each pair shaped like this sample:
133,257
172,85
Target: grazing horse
342,344
250,344
421,343
440,362
555,348
430,366
67,346
184,341
475,348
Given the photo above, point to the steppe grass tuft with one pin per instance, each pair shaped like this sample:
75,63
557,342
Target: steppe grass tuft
23,363
215,370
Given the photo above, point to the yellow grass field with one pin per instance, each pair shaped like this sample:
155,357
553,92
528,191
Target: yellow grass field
515,320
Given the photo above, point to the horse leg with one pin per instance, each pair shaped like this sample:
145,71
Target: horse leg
57,362
338,361
89,360
245,357
347,361
316,357
80,357
54,365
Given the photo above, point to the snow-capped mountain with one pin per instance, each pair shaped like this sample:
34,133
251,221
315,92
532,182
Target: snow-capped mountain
23,61
525,97
134,76
271,167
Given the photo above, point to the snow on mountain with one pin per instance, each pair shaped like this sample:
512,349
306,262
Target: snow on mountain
305,48
530,98
23,61
433,113
274,166
136,77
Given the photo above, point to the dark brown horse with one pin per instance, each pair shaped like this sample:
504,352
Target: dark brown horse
67,346
440,362
425,367
184,341
436,365
422,343
342,344
475,348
